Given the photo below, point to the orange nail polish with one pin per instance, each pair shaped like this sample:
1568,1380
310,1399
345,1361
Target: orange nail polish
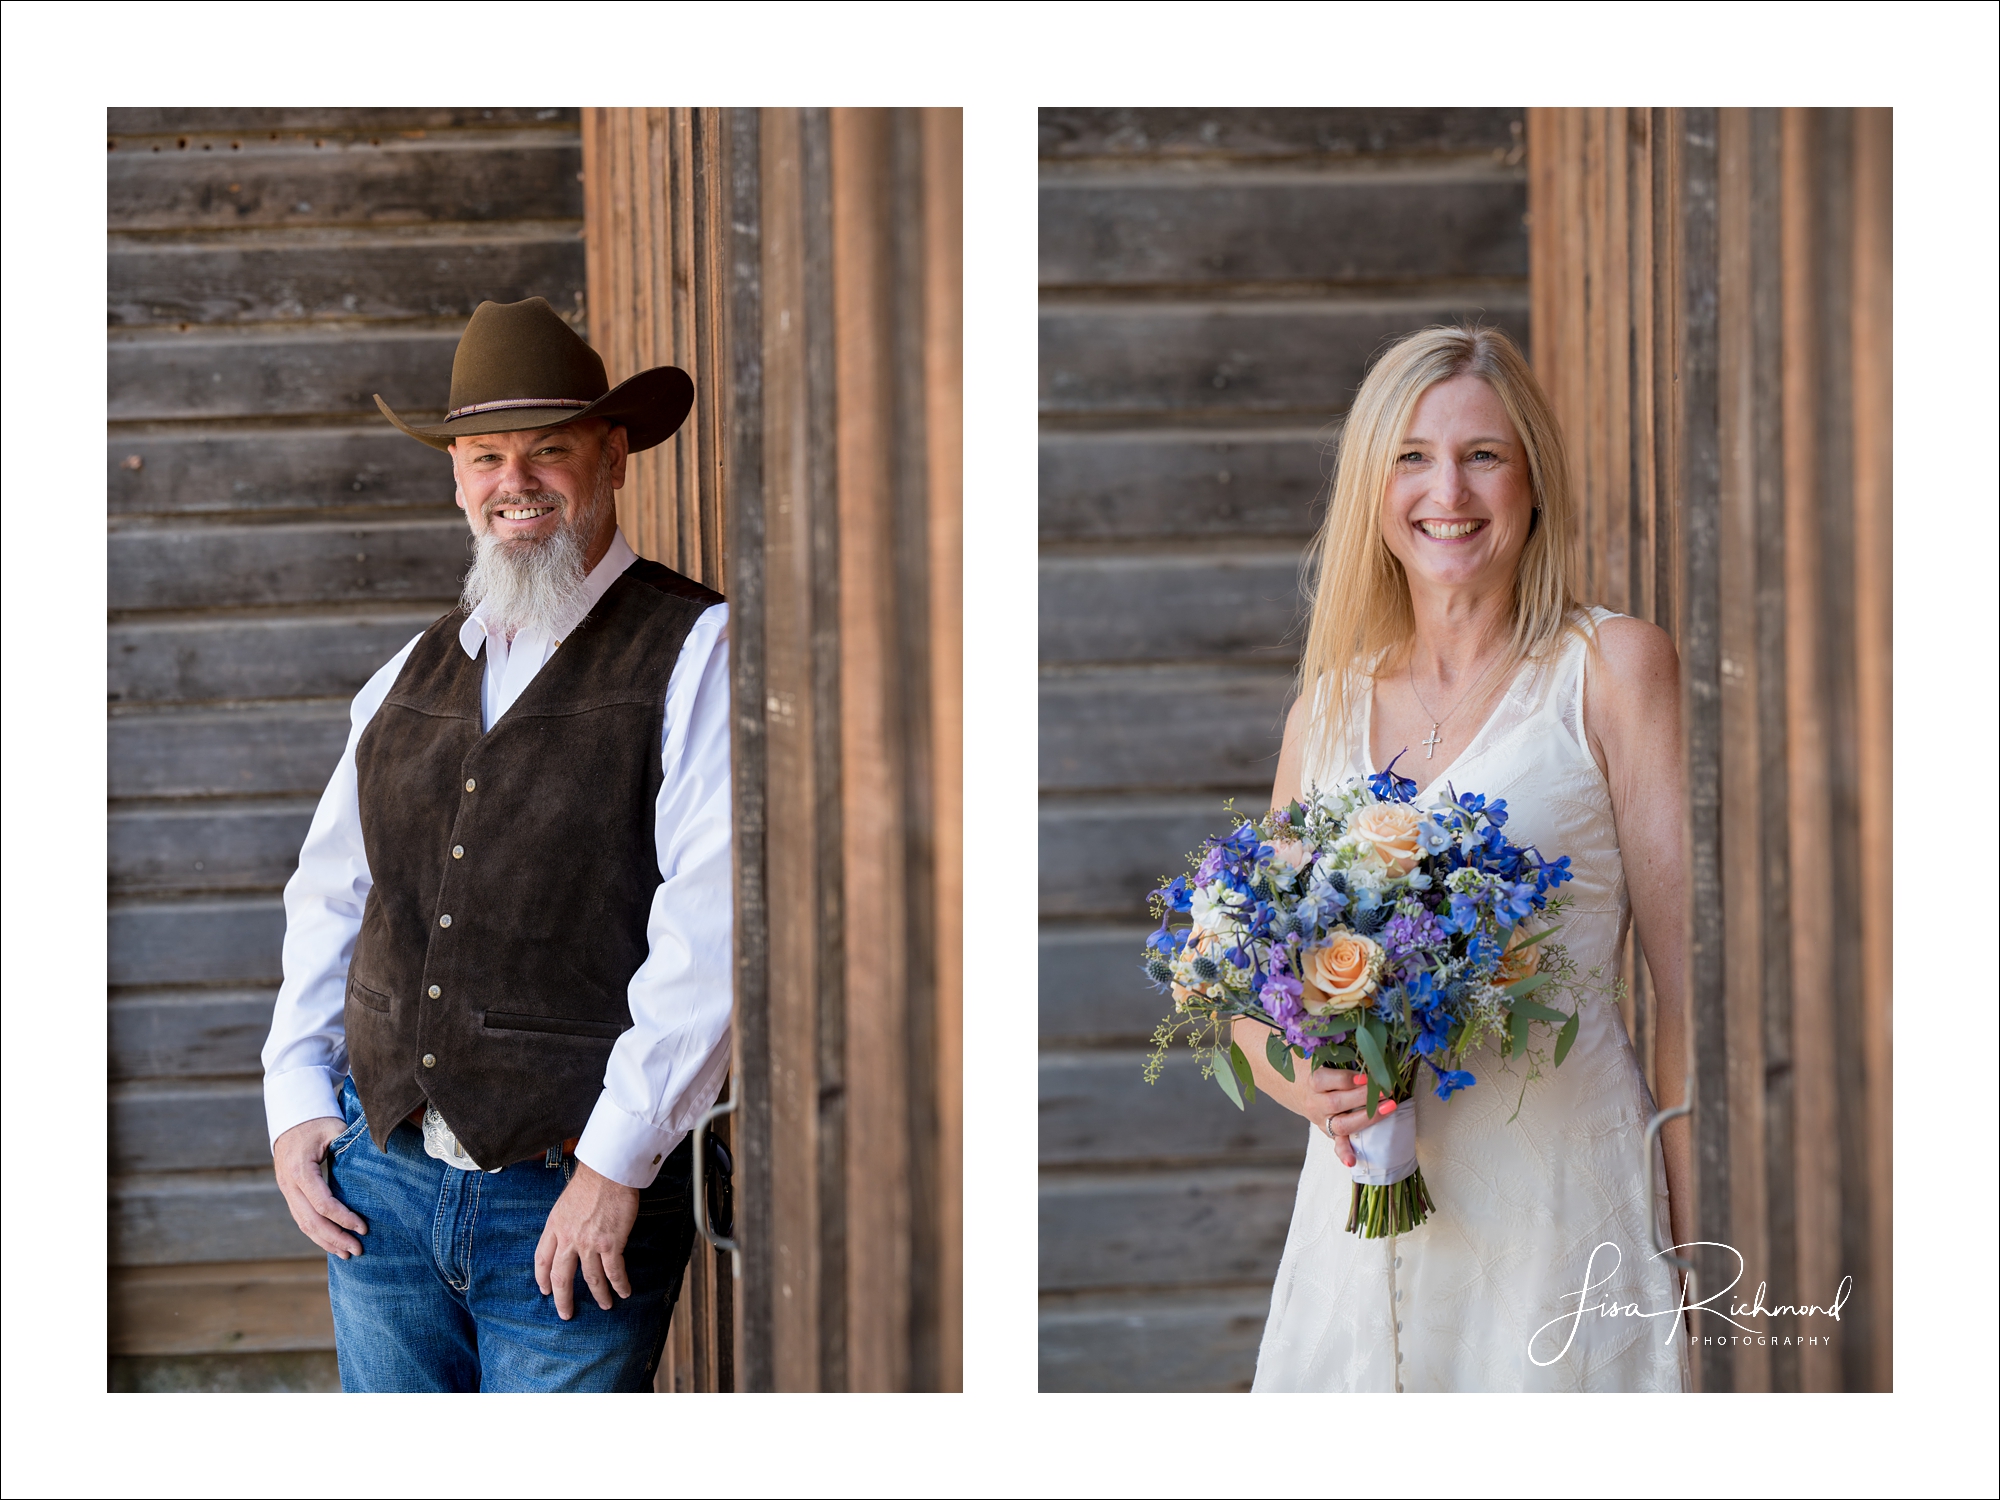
1388,1106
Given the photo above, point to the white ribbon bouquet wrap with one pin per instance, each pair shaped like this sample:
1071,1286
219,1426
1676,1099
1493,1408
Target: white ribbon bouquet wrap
1386,1152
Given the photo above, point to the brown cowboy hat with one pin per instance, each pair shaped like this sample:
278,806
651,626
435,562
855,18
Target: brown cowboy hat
520,367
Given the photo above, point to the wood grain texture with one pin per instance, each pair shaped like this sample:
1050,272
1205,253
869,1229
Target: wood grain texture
160,376
224,657
188,1125
1281,357
1090,986
1194,1341
428,277
430,180
218,567
174,1033
1098,1110
218,472
209,941
1242,604
1145,485
1168,134
207,846
251,750
1164,1228
1293,227
1143,728
291,1370
322,123
188,1218
942,169
1101,855
241,1306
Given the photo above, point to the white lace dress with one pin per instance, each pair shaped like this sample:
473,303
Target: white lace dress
1458,1303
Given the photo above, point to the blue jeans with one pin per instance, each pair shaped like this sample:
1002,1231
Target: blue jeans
443,1294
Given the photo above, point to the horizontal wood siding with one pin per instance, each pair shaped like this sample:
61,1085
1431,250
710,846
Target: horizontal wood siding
272,542
1214,285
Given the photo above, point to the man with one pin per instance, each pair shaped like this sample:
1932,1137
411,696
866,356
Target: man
507,946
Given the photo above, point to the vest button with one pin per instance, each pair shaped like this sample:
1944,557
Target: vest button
458,851
435,992
430,1061
445,920
470,783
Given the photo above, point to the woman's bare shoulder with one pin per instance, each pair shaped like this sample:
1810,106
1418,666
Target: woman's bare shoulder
1637,657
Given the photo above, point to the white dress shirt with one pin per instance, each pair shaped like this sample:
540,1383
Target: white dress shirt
668,1068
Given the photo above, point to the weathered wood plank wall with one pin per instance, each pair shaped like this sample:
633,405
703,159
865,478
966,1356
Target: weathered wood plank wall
818,251
1712,316
1214,285
657,255
272,542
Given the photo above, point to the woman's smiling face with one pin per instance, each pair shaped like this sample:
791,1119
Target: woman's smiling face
1459,501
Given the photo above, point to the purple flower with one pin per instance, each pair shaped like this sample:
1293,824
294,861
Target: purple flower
1405,935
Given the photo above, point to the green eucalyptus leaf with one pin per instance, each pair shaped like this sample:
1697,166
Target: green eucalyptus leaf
1534,1010
1546,932
1378,1066
1528,986
1240,1066
1517,1033
1225,1077
1567,1037
1280,1056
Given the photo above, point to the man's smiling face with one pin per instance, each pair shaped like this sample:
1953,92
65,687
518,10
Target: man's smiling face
522,487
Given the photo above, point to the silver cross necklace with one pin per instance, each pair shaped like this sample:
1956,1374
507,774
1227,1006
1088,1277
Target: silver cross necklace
1431,743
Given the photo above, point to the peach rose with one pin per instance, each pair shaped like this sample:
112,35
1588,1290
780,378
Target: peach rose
1340,974
1519,962
1388,831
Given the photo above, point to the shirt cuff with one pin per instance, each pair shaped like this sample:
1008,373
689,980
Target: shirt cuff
300,1094
624,1147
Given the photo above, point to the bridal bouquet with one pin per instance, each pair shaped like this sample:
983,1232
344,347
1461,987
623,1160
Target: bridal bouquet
1372,935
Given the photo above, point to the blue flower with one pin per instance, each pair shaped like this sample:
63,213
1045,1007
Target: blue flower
1450,1081
1390,787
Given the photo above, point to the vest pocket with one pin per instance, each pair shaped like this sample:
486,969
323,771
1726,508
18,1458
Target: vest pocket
504,1020
373,999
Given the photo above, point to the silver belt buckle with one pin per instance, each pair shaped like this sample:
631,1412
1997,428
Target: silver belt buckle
442,1144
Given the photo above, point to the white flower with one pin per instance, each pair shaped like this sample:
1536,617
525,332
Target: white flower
1217,909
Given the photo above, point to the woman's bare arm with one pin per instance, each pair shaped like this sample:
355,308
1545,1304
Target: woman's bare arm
1314,1094
1632,716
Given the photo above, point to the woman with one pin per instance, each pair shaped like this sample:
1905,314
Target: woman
1445,631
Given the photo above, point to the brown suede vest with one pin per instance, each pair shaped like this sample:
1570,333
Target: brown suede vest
514,872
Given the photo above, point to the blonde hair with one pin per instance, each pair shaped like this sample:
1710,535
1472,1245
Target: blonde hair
1361,614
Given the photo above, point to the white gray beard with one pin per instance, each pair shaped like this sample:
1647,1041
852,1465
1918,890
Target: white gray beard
530,585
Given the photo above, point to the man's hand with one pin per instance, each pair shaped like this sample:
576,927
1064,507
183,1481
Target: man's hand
297,1155
587,1230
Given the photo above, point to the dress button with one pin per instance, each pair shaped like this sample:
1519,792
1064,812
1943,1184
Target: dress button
1399,1294
1399,1387
458,851
470,783
435,992
1399,1325
445,921
430,1061
1399,1259
1399,1356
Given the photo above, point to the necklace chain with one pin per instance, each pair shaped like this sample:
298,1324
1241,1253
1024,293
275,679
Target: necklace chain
1431,744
